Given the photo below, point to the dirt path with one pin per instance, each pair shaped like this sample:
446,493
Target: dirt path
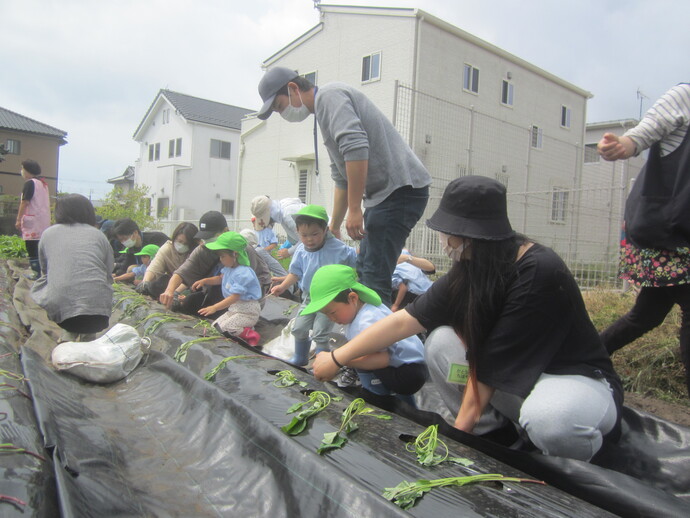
670,411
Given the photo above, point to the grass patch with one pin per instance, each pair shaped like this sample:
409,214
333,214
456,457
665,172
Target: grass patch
12,247
651,365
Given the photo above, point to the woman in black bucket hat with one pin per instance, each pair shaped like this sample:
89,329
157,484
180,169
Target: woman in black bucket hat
511,340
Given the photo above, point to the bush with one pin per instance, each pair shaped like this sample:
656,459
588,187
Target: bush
651,365
12,247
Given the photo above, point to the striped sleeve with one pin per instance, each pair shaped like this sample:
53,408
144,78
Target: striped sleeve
666,122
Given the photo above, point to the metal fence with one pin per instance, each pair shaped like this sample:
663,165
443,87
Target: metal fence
552,198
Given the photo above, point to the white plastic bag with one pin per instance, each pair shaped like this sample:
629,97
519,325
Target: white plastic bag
104,360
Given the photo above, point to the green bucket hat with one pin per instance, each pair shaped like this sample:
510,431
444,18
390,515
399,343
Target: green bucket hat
231,241
150,250
330,280
313,211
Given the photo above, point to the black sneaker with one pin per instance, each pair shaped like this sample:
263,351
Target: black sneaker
348,378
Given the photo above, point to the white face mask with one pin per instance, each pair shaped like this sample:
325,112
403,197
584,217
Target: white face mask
454,253
129,242
292,114
181,247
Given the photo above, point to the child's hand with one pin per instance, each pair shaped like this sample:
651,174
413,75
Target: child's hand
209,310
395,308
277,290
198,285
283,253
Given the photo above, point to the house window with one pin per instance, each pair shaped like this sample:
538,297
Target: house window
227,207
174,147
302,193
166,116
13,147
591,154
162,207
151,151
565,117
537,135
157,151
559,204
220,149
471,79
311,77
507,93
371,67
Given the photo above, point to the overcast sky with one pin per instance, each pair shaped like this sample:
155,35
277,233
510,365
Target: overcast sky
92,68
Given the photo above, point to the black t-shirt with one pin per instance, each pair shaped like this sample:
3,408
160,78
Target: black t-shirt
27,190
543,328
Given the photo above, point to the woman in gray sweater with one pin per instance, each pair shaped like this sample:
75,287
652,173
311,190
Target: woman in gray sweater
76,260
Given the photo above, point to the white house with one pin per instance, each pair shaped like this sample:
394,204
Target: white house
125,181
188,156
602,199
464,105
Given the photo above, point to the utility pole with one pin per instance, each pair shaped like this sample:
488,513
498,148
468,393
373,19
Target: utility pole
641,96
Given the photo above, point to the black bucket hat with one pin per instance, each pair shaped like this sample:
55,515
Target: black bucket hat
474,207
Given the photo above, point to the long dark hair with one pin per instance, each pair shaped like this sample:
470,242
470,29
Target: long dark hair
74,208
478,287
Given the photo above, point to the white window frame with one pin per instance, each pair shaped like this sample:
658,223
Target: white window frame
312,73
566,115
13,146
178,146
221,146
559,205
507,100
171,148
591,152
162,205
470,79
369,69
537,137
157,151
224,203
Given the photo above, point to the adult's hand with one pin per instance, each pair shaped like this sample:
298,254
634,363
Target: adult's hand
612,147
324,367
166,298
335,232
355,224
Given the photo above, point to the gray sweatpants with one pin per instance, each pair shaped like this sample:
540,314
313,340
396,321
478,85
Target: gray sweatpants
564,415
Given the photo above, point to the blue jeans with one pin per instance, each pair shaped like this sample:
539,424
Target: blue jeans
387,226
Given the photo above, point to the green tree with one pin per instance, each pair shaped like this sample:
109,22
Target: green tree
133,204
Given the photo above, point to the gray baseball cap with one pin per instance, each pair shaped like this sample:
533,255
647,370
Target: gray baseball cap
273,80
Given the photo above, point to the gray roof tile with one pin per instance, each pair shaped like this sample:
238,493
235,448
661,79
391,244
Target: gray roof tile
13,121
201,110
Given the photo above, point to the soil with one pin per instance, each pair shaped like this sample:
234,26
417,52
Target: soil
673,412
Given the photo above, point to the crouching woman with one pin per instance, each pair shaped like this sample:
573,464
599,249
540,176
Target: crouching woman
512,340
75,287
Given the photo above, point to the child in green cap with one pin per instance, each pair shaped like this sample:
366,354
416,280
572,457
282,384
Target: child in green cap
399,369
135,273
240,286
318,248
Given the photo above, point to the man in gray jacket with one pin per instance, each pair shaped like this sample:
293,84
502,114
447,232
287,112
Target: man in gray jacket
370,163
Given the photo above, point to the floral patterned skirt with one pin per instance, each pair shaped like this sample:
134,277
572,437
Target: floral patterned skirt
650,267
